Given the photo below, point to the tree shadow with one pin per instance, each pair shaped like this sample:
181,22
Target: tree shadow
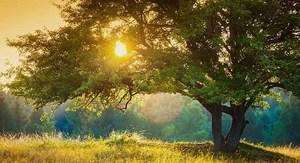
194,149
259,154
246,152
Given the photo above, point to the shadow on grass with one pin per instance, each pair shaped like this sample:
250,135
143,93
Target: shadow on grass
256,153
245,152
194,149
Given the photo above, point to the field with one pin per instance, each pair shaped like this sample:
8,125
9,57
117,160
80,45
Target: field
131,148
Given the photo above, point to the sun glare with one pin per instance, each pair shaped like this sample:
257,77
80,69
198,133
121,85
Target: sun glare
120,49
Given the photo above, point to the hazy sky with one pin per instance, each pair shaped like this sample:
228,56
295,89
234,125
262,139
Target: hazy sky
19,17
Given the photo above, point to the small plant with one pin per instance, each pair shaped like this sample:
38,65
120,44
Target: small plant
124,138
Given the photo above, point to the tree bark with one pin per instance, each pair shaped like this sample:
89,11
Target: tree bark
231,142
237,128
218,138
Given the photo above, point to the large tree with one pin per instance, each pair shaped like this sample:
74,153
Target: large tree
227,54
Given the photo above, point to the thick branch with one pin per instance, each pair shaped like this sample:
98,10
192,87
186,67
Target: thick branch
226,109
274,84
129,82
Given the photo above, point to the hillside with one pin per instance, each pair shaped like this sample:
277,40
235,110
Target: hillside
124,148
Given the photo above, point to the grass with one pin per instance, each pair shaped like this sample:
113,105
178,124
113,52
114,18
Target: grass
131,148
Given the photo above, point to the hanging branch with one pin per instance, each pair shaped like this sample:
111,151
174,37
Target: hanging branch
127,81
116,106
89,101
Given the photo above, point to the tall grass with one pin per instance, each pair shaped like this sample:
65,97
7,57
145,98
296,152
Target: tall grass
127,147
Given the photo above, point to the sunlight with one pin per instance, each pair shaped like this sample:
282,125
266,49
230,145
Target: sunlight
120,49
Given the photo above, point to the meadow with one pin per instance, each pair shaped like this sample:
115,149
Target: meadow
131,148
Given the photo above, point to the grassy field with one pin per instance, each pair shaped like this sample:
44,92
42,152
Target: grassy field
131,148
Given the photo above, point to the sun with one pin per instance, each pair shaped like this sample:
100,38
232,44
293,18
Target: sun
120,49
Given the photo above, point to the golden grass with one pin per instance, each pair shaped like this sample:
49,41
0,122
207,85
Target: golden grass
130,148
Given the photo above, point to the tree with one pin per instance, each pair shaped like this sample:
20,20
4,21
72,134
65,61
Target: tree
13,114
21,115
226,54
287,127
6,121
190,125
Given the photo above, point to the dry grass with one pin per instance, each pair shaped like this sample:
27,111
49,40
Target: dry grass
130,148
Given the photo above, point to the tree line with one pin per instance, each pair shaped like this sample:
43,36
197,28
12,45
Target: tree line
270,126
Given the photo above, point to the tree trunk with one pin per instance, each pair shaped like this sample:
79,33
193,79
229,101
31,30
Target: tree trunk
237,128
218,138
231,142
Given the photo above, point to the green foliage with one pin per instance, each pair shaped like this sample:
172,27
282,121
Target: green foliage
5,114
189,125
13,114
287,127
214,51
191,119
17,117
279,123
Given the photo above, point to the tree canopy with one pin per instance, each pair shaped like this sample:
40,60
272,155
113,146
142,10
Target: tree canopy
213,51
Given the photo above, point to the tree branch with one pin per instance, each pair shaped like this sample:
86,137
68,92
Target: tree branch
90,101
274,84
226,109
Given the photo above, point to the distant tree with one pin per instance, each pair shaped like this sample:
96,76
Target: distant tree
61,122
217,52
13,115
286,130
5,114
35,121
21,115
255,131
40,121
190,124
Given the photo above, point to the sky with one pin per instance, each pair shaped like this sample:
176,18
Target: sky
18,17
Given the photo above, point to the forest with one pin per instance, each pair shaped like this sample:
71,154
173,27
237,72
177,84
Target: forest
184,121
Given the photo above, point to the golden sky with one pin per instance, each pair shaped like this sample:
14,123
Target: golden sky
19,17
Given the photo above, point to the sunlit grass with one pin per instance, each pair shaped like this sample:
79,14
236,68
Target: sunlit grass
129,148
